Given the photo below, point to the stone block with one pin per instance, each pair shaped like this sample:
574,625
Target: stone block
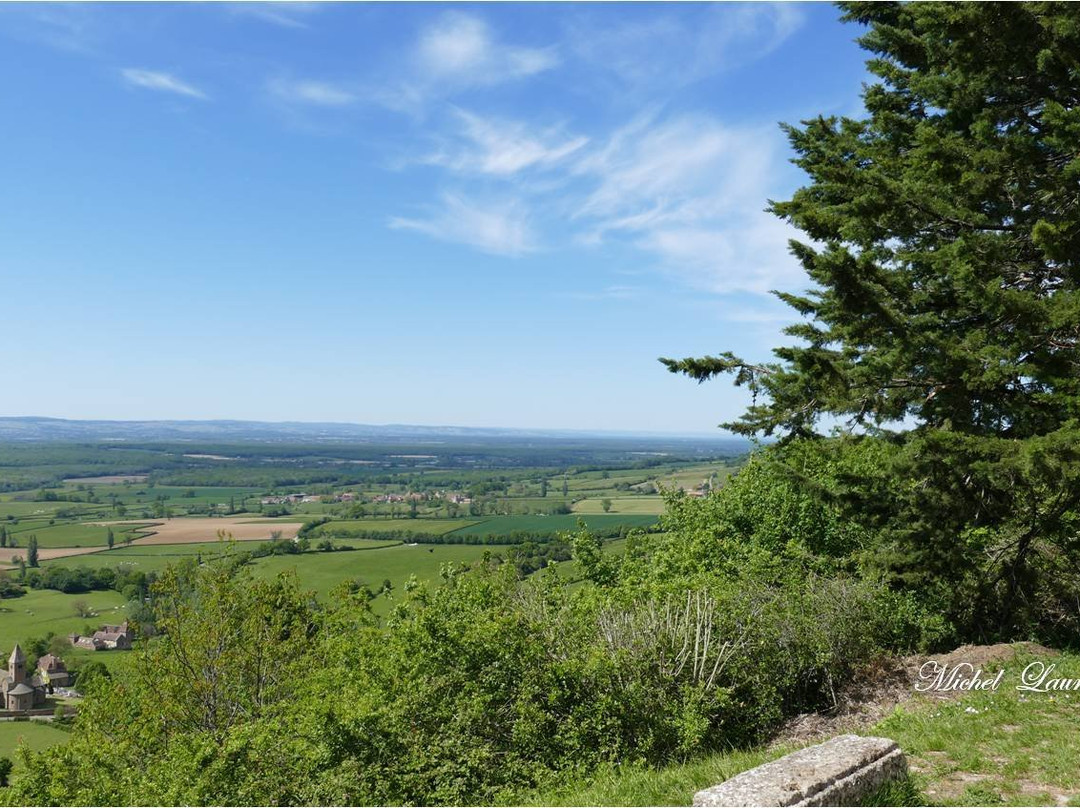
841,771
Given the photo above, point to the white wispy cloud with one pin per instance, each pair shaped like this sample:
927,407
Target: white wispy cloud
486,145
315,93
454,53
500,228
746,254
160,82
282,14
670,170
664,48
686,193
461,48
690,192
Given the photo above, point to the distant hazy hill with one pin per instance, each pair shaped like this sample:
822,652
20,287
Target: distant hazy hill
59,429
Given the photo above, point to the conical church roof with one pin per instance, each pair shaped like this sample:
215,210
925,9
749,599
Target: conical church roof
17,655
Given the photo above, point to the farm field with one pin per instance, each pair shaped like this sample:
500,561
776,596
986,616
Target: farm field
196,529
505,525
620,505
693,476
155,557
323,571
76,534
40,611
36,735
435,527
159,516
8,555
181,494
27,510
633,515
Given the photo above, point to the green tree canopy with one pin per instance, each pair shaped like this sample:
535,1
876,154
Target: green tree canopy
943,239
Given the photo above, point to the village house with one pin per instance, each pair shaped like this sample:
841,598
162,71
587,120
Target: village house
389,498
19,691
107,638
53,672
91,643
290,499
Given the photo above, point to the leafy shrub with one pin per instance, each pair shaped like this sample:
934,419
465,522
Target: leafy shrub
471,693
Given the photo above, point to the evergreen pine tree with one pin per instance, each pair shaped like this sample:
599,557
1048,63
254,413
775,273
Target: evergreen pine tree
943,243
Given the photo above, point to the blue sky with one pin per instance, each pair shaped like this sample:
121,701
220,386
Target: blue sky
479,214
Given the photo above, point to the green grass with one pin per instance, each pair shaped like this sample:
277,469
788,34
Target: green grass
992,748
113,660
175,495
505,525
155,557
74,534
40,611
37,735
435,527
1003,748
634,785
323,571
24,510
139,554
622,505
498,525
693,476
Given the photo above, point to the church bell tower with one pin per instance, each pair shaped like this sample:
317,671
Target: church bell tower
17,666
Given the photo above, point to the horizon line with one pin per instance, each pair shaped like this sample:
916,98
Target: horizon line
720,434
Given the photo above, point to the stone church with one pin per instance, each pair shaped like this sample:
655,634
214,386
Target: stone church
19,691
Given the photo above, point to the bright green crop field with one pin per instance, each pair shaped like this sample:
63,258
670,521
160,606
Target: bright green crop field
73,534
155,557
27,510
505,525
143,557
37,735
622,505
323,571
40,611
436,527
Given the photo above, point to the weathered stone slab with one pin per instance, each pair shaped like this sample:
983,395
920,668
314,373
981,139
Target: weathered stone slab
841,771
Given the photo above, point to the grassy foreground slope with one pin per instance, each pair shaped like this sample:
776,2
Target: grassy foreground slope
988,748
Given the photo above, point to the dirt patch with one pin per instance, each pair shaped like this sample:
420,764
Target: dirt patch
1031,792
190,531
953,786
877,689
8,554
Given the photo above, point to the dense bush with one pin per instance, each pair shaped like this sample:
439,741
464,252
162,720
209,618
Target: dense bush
10,589
486,686
134,585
